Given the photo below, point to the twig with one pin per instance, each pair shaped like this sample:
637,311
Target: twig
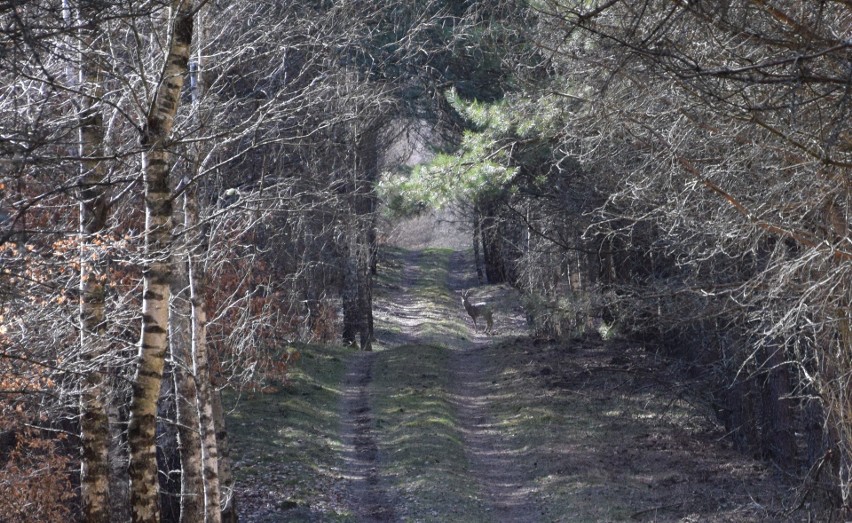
636,515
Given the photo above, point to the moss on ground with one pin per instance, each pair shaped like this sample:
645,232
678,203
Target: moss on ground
584,437
425,460
287,444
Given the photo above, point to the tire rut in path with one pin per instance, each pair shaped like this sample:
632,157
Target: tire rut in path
496,464
369,500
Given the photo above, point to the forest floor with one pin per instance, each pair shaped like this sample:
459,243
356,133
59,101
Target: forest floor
443,424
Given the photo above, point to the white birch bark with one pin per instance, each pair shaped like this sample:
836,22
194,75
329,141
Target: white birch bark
198,244
201,367
157,268
186,395
94,423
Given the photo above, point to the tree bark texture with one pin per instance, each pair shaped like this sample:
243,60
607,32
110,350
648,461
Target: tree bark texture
226,477
198,246
119,479
197,241
186,415
168,454
156,270
94,423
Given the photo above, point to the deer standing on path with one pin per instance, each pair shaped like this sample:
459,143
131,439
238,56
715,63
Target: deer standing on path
478,310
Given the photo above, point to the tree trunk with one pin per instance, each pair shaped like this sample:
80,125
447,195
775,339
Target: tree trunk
226,477
94,423
157,270
358,268
365,294
368,166
186,393
740,418
373,238
198,246
779,418
351,304
477,241
119,488
168,454
367,176
357,288
200,359
491,244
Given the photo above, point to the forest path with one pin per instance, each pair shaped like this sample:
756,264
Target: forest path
422,315
441,424
499,463
505,428
368,496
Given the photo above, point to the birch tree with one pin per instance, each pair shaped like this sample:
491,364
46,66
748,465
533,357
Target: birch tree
205,392
94,422
157,266
192,498
196,246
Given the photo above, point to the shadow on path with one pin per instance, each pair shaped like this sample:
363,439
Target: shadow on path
370,500
497,463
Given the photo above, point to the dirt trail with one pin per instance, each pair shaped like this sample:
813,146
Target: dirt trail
498,464
368,496
441,424
495,464
368,493
583,431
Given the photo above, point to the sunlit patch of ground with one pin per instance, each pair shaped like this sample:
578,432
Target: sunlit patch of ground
472,428
287,447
